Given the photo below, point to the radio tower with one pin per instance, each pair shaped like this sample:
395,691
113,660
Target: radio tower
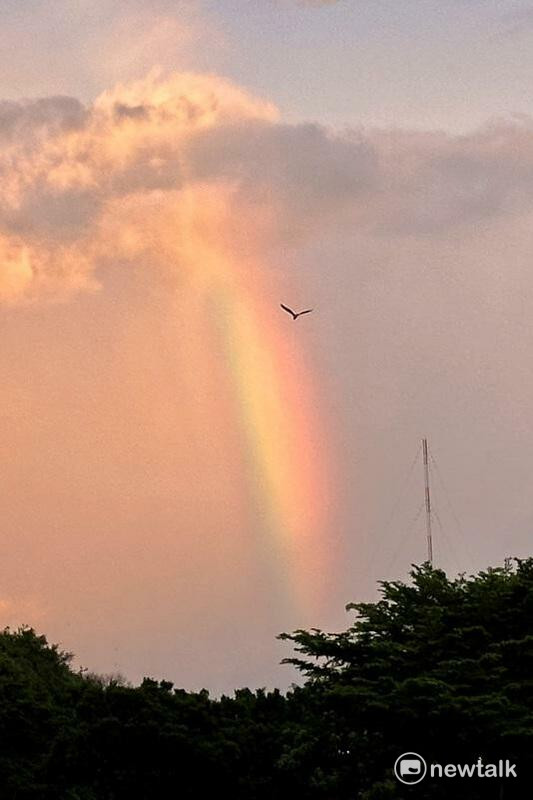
428,501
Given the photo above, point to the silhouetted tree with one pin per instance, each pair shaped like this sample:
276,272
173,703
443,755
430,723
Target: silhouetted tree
441,667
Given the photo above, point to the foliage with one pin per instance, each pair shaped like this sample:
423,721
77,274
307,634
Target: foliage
440,667
436,666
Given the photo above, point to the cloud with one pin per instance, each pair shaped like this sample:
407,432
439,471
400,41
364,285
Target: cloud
130,178
431,183
304,173
47,116
71,168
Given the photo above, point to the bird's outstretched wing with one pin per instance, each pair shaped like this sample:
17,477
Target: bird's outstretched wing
288,310
307,311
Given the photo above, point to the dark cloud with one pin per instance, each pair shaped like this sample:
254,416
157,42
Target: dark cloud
30,117
123,111
395,181
304,170
432,183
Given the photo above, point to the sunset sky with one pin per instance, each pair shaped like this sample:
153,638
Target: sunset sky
185,471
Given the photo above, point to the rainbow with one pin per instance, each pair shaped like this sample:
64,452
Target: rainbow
268,398
284,448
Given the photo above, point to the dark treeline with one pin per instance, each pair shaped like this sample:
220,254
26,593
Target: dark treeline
437,666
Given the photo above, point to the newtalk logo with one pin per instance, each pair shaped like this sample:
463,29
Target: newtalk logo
410,768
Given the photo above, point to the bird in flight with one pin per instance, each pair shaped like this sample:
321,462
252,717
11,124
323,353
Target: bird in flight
295,314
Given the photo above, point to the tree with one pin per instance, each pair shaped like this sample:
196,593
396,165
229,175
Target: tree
440,667
437,666
36,686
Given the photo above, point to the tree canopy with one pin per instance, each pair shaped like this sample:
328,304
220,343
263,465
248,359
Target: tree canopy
440,667
437,666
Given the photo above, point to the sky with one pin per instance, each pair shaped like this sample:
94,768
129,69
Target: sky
186,471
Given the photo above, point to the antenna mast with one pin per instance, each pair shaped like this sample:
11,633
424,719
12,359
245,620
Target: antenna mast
428,501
